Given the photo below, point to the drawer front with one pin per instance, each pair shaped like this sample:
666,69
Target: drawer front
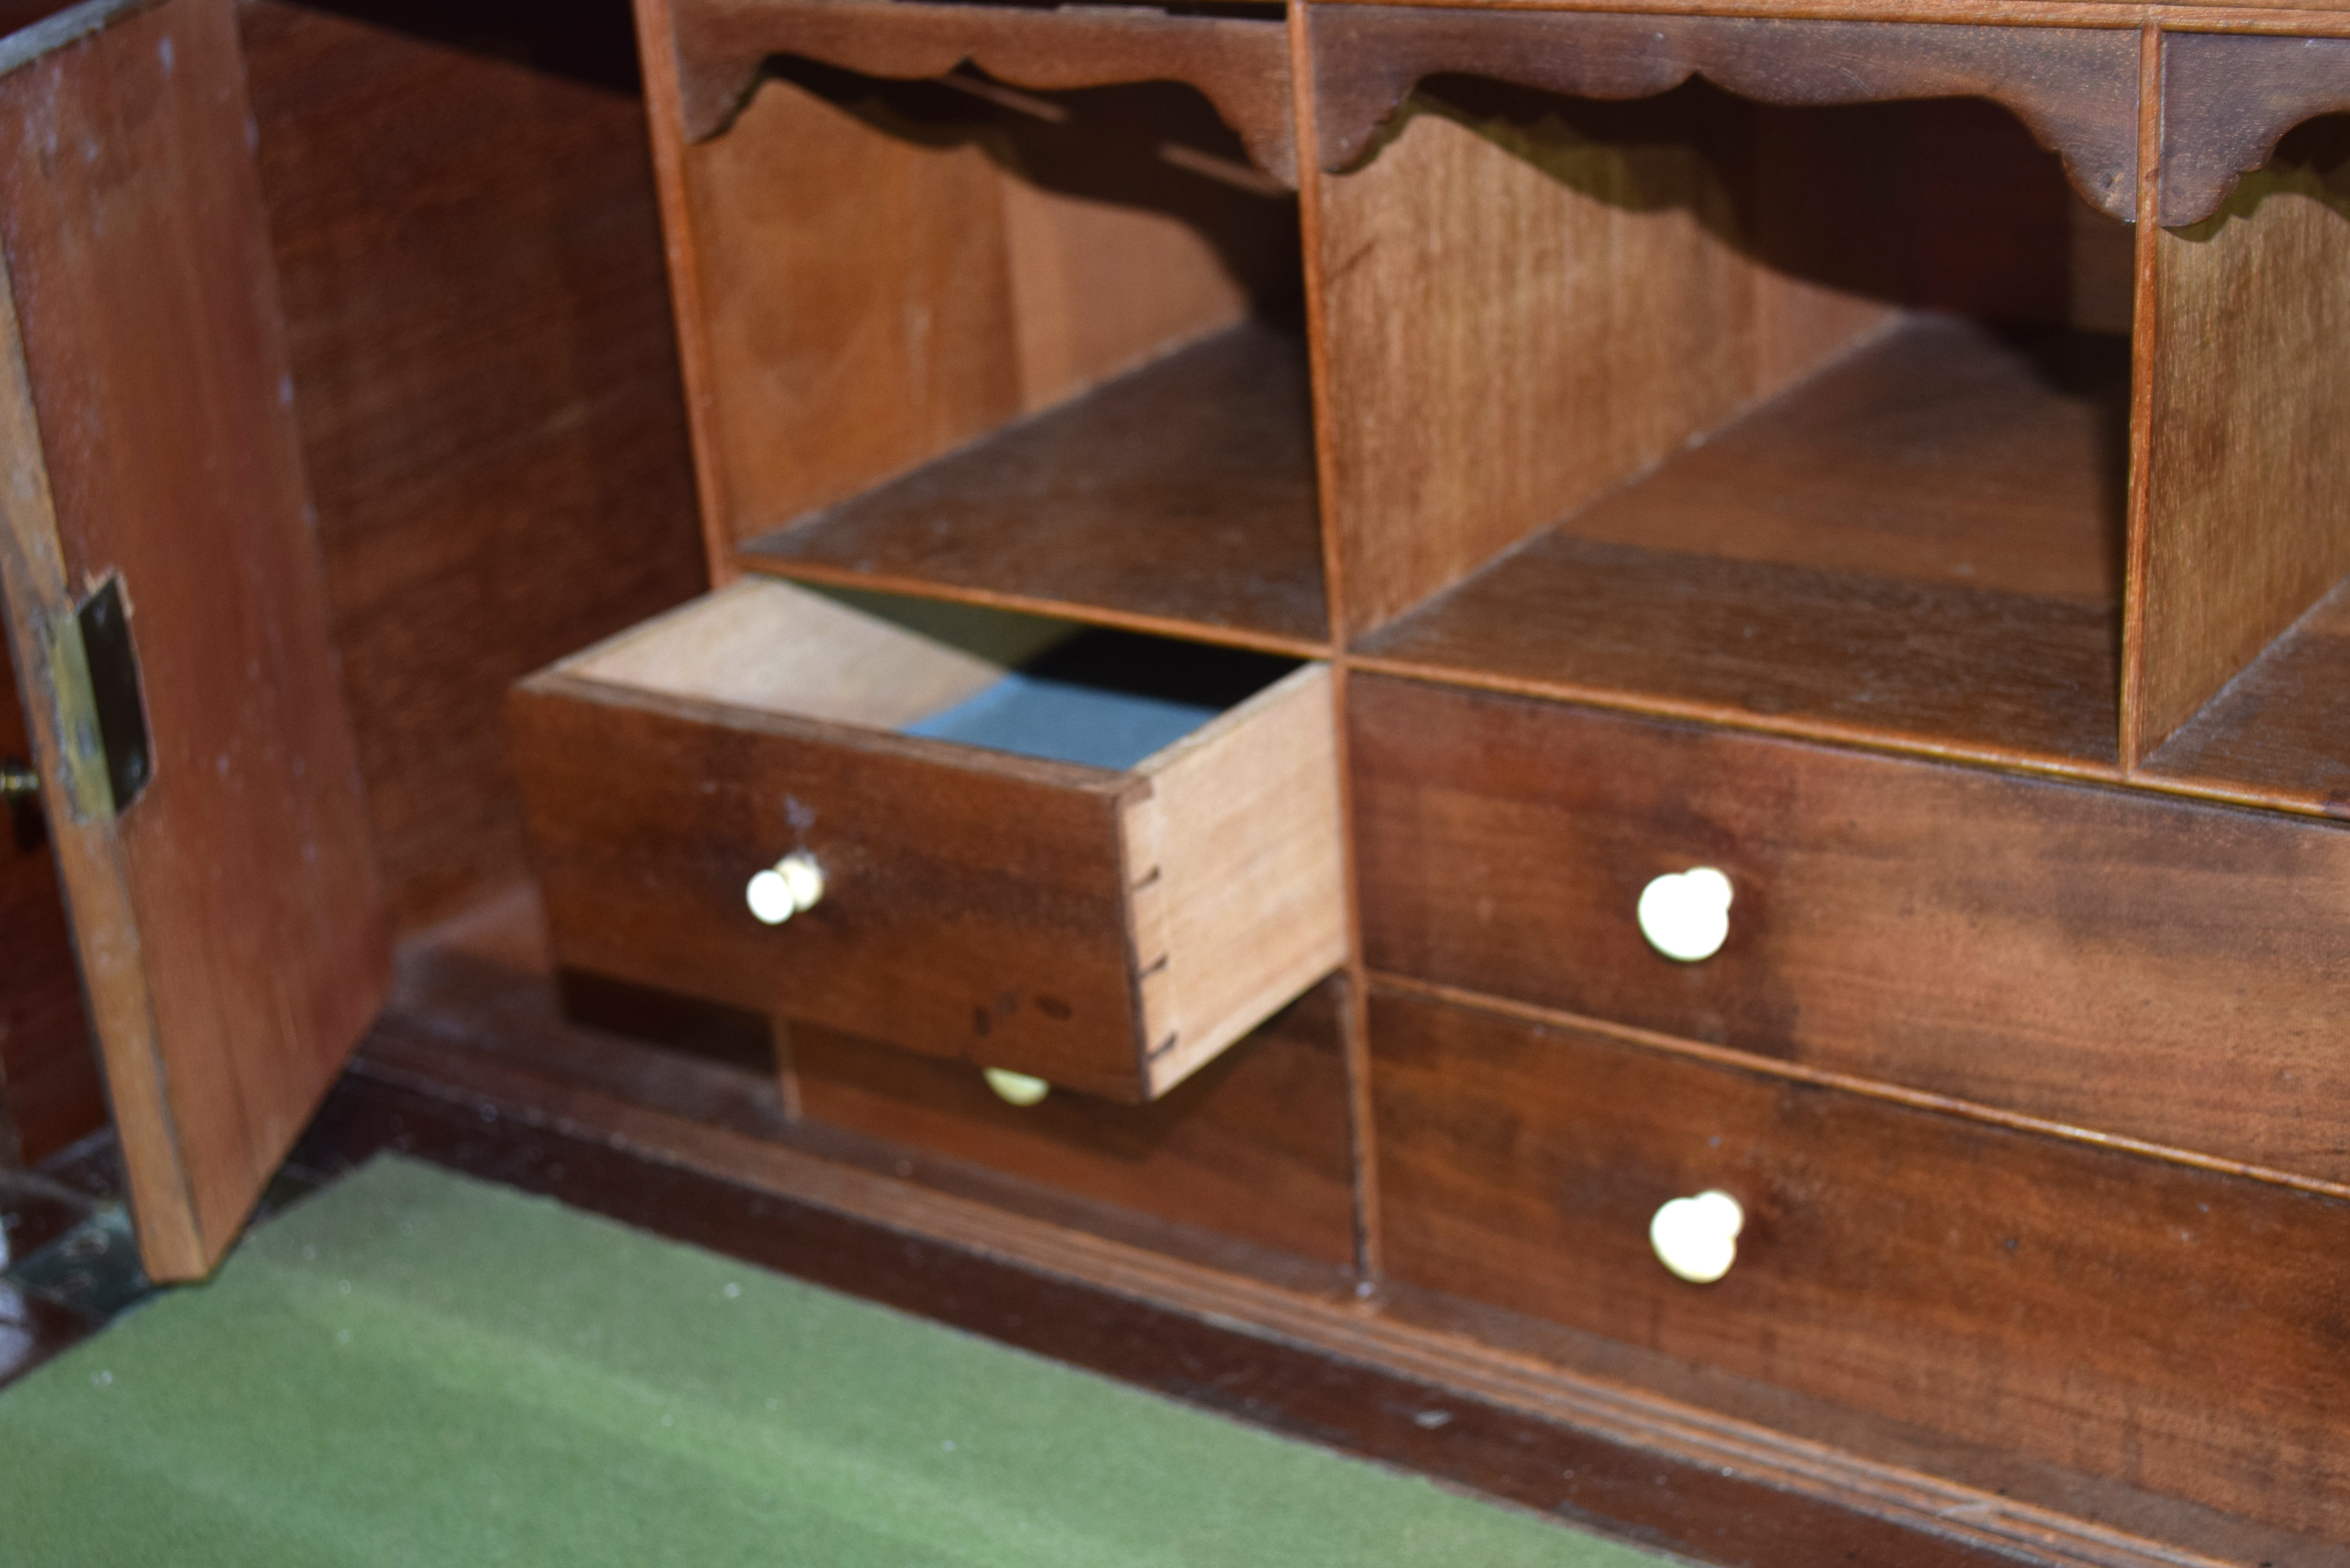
2147,967
2174,1327
974,911
1252,1148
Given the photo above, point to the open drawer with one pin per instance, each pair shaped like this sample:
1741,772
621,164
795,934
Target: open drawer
1091,857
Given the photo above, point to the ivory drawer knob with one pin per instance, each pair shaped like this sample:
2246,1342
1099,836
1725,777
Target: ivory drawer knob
1686,915
794,884
1019,1088
1697,1238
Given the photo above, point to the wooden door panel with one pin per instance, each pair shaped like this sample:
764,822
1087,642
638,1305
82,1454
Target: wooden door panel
228,916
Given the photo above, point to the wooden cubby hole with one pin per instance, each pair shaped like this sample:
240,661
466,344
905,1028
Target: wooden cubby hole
963,337
2241,683
1812,419
1819,421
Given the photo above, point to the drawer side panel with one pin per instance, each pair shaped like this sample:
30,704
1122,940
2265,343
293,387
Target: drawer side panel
1237,857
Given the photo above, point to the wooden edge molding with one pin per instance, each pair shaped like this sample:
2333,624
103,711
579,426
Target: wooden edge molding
1706,1476
1240,65
2228,100
2326,18
2075,88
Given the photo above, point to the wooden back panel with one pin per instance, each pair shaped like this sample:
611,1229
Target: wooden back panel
477,309
1581,304
2248,511
1591,283
228,920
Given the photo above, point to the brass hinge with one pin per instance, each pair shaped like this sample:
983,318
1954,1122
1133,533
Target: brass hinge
104,762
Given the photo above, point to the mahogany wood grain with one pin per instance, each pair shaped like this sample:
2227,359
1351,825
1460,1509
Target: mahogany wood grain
976,910
1920,544
2077,89
2275,734
2227,101
1167,1178
1240,64
1254,1145
485,373
229,922
2175,1327
1583,299
2071,953
50,1092
2146,346
2322,18
1107,931
871,273
1181,496
2247,527
1669,1473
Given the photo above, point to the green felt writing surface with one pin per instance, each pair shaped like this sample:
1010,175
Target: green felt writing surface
414,1368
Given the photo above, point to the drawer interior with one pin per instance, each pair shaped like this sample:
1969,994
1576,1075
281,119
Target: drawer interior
965,674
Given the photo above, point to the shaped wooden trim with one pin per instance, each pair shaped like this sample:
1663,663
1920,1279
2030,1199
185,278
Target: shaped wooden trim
2227,101
2075,88
1240,65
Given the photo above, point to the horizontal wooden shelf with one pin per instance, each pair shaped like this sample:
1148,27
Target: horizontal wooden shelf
2279,734
1919,546
1178,498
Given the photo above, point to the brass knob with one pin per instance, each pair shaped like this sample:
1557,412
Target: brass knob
18,782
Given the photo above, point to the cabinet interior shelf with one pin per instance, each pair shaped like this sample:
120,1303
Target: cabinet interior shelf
1179,497
1921,544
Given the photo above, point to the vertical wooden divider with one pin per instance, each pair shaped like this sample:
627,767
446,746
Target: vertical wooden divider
664,111
2145,348
2243,526
1354,1012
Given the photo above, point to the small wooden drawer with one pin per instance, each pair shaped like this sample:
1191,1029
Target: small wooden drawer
1108,926
2101,957
1254,1148
2092,1308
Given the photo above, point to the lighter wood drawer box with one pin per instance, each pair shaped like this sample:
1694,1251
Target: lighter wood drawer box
2103,1310
1107,928
2142,965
